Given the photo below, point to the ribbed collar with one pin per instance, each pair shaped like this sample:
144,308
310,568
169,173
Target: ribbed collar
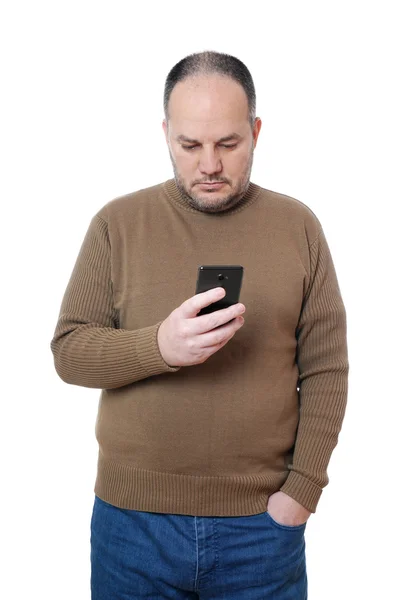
177,198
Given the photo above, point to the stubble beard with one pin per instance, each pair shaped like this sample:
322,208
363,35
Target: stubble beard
219,204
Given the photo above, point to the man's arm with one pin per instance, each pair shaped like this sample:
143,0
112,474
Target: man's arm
88,347
323,378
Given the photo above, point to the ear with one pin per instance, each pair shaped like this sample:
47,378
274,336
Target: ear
256,130
165,128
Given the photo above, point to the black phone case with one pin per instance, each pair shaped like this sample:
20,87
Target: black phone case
229,277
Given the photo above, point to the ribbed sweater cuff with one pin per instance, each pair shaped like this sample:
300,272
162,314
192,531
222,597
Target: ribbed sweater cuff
302,490
148,352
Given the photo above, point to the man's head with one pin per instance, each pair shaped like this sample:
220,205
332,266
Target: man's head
211,128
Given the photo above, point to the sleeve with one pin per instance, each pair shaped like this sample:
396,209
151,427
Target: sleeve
323,378
88,347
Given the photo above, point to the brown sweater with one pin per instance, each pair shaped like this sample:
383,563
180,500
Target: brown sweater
260,415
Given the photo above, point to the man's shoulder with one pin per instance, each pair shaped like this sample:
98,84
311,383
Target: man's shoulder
286,204
287,211
121,206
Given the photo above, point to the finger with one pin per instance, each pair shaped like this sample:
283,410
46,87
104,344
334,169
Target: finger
221,335
217,318
193,305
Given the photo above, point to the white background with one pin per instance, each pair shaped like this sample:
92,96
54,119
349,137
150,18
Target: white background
81,114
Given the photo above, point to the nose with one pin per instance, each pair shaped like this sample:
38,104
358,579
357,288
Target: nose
210,162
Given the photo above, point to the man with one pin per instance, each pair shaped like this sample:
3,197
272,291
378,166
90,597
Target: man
215,431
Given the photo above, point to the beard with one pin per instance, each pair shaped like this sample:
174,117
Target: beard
221,203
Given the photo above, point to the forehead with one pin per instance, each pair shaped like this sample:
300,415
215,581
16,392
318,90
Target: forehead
213,105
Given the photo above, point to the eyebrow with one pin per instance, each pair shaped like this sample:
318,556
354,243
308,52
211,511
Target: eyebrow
226,138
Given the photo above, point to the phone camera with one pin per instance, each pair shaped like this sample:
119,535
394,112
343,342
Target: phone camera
220,276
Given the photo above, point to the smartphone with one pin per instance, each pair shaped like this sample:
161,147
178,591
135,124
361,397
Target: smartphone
227,276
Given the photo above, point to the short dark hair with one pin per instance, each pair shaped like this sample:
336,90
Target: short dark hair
210,63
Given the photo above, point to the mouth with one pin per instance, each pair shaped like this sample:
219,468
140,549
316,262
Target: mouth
212,184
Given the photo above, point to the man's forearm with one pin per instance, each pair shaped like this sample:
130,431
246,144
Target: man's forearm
105,357
321,417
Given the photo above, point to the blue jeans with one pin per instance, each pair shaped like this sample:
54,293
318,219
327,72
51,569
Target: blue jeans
137,554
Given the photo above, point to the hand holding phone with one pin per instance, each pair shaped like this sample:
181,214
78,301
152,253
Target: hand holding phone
185,338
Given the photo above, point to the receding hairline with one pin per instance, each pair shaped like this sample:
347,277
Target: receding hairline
206,76
210,64
233,135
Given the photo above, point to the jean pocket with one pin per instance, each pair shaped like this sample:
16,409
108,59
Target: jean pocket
285,527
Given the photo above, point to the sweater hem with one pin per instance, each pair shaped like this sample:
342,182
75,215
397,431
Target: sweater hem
133,488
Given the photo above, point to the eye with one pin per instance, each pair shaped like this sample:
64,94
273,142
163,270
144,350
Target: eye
222,146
